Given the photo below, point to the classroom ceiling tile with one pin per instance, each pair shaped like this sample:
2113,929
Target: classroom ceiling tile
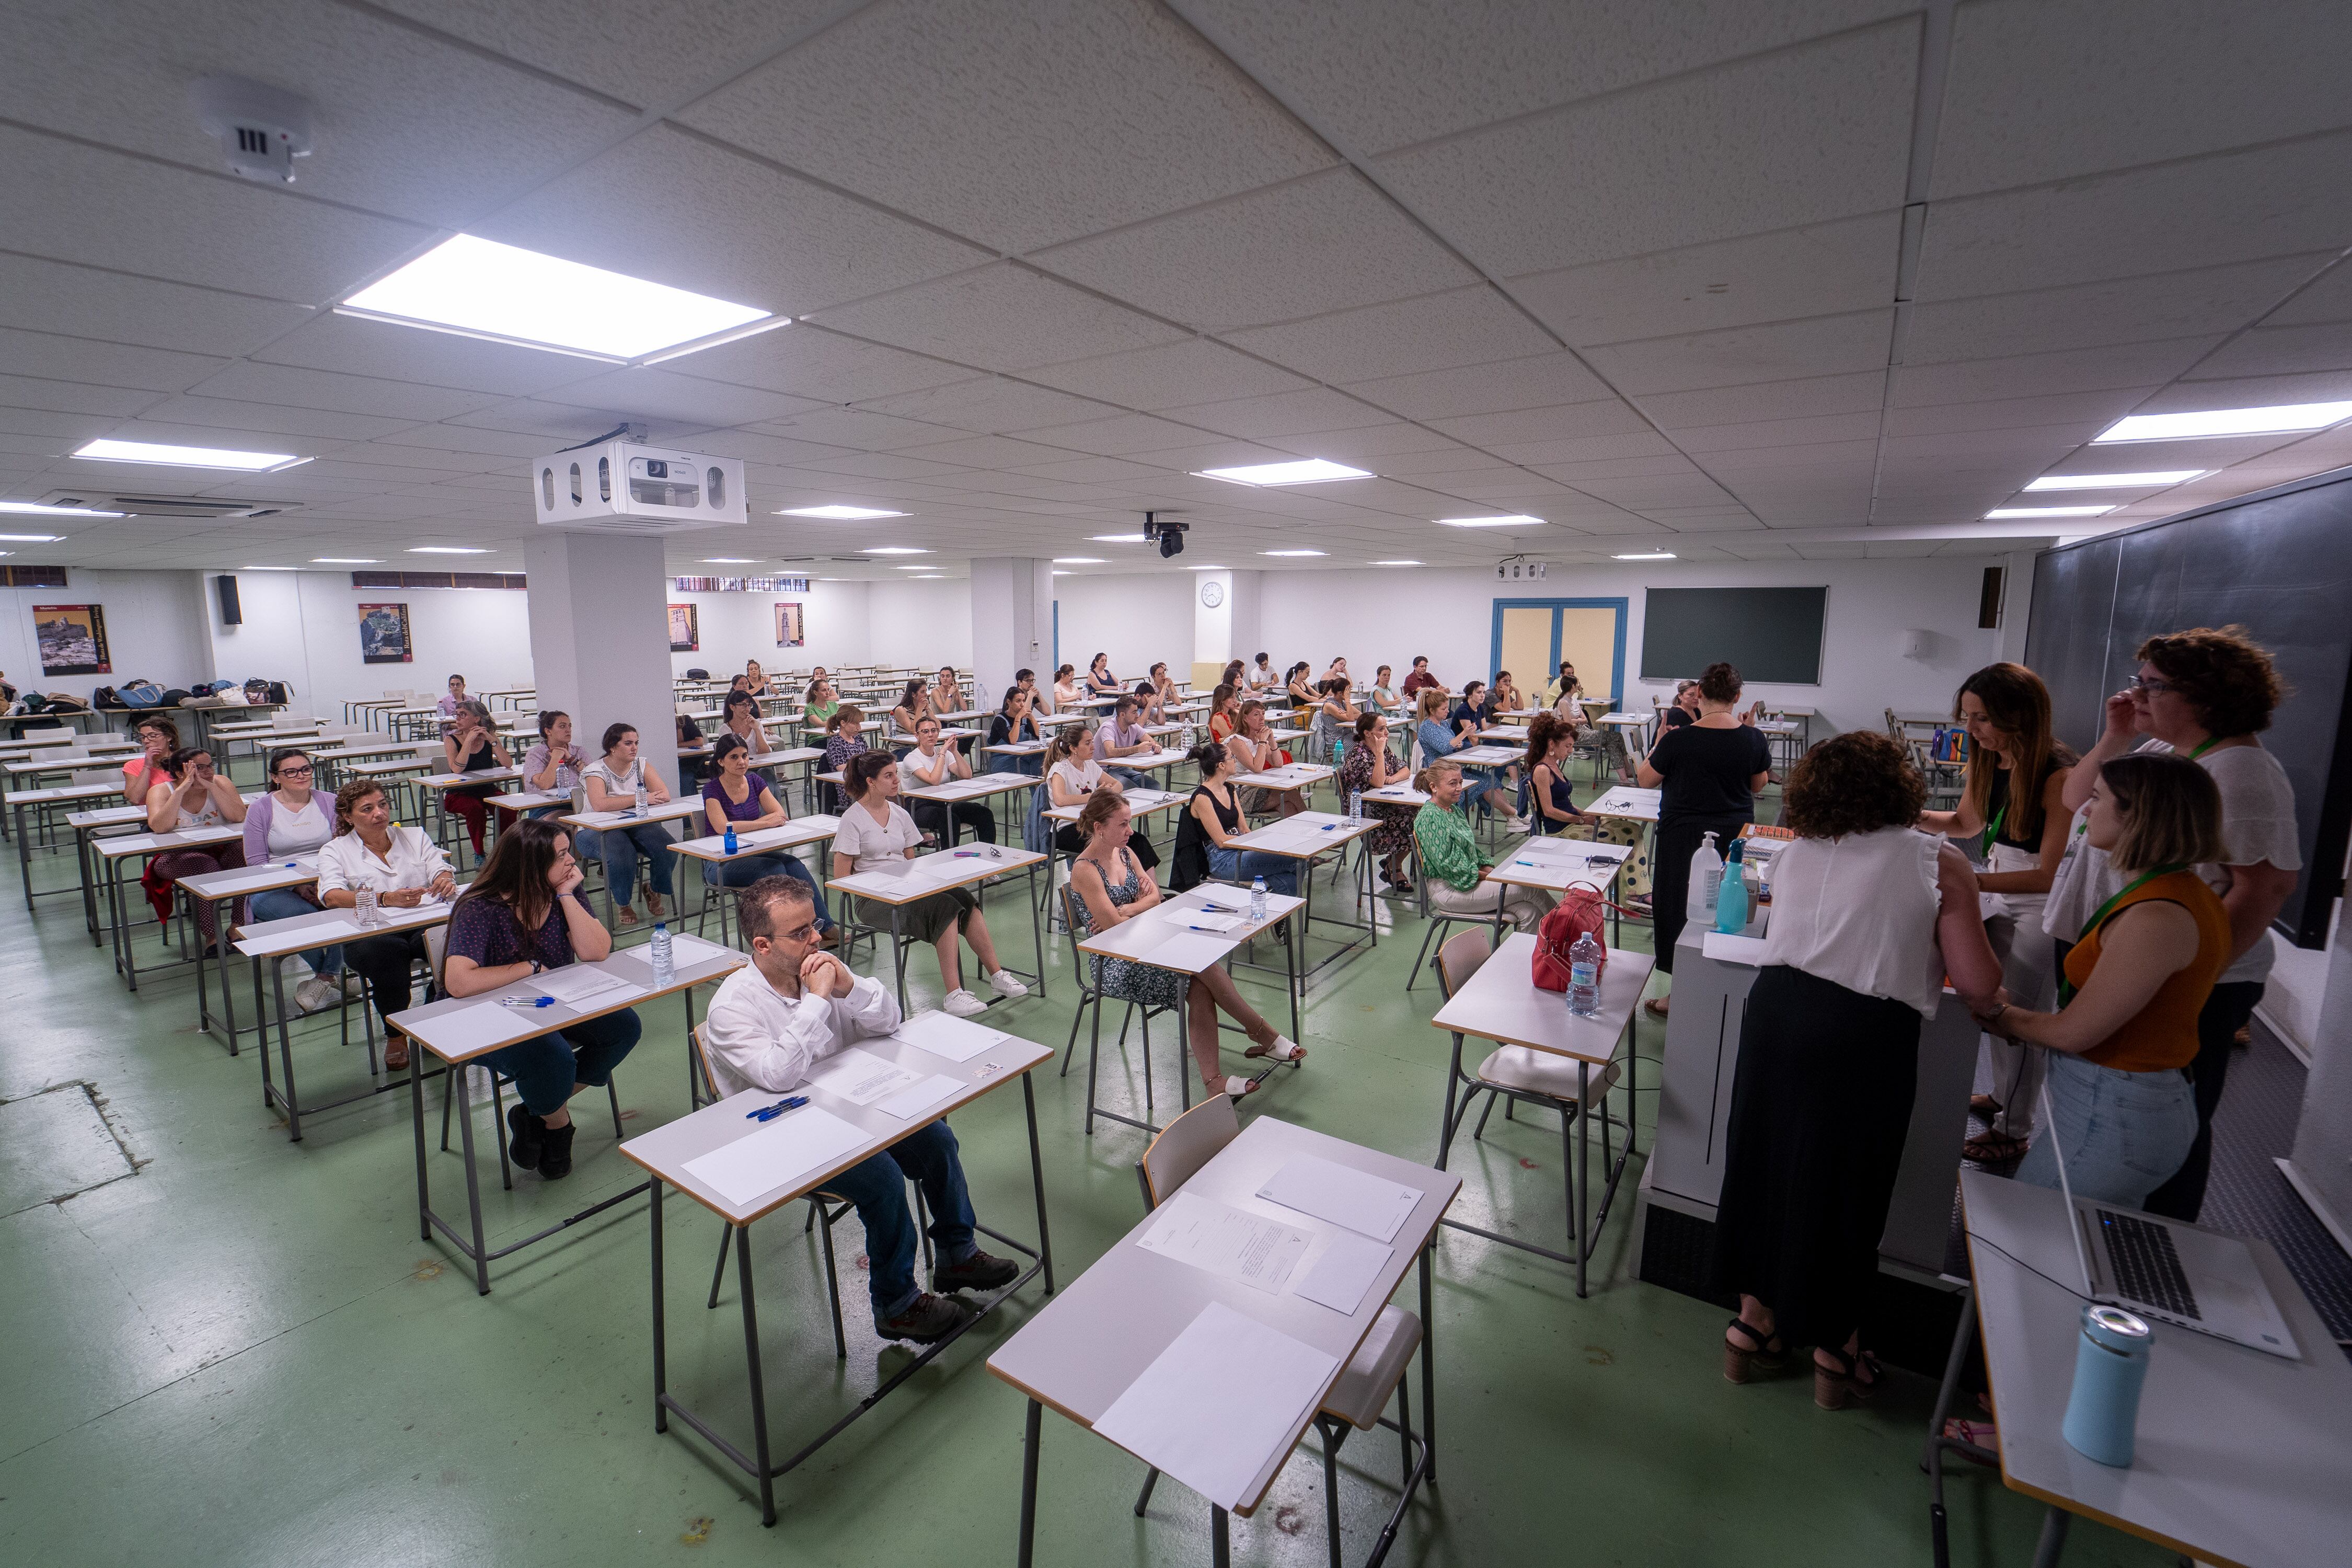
112,306
827,366
2327,298
2281,351
2031,375
854,427
649,53
1538,380
992,404
351,345
670,393
37,354
2103,406
1196,370
1771,435
1462,327
2248,392
295,387
1281,413
1801,136
1539,455
192,421
1015,123
1820,458
1328,242
1491,431
2096,315
75,397
1128,433
1823,345
1862,392
1004,316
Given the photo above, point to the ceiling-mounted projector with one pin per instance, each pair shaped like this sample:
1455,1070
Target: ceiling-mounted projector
627,487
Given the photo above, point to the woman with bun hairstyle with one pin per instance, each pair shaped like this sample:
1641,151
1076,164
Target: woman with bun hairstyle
1212,820
1369,766
1706,774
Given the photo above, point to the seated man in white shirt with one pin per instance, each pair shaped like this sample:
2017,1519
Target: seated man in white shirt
791,1007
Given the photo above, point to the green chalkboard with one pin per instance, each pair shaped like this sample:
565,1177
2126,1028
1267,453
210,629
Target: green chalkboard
1772,634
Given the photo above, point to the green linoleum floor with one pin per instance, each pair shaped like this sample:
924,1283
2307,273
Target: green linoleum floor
242,1354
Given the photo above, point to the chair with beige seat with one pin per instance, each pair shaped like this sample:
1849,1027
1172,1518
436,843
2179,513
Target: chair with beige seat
1372,1374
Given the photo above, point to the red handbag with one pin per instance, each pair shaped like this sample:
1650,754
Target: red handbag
1580,911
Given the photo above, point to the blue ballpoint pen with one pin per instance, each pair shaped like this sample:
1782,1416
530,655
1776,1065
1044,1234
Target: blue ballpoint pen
770,1112
526,1001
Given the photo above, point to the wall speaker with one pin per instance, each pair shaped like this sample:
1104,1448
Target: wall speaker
231,616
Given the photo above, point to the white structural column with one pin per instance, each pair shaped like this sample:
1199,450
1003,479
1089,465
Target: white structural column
600,638
1226,629
1012,624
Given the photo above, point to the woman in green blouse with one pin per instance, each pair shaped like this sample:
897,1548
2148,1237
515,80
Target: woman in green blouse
1453,869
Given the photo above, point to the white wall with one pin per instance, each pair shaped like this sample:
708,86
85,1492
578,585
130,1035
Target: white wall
1138,621
734,627
924,623
155,627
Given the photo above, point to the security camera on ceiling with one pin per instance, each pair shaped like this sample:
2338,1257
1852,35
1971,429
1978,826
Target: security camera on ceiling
261,129
1170,535
621,486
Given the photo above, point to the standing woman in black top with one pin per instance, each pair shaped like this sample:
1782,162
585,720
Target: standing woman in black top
1708,772
472,746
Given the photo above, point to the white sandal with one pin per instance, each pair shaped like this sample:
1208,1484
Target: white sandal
1283,1049
1236,1088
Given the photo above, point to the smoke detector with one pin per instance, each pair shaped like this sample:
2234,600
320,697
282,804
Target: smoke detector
261,129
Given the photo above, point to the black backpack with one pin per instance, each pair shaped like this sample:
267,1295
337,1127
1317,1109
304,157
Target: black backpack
698,675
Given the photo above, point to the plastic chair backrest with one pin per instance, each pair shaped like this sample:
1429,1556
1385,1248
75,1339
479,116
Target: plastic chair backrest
436,950
702,1056
1459,957
1187,1144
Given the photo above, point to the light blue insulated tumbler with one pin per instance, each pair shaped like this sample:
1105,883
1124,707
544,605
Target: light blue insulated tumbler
2110,1365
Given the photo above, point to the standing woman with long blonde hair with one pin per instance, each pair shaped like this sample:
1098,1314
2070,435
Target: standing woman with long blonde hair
2011,822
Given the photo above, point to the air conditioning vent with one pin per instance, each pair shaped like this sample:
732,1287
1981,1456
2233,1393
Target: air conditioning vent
209,508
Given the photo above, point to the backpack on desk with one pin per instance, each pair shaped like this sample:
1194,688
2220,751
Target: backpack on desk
1580,911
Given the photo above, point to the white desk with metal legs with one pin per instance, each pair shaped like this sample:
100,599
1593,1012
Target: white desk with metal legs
1501,1003
1301,837
1106,1328
904,883
41,801
667,1153
710,853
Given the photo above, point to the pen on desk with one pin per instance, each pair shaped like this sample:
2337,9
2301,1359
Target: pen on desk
526,1001
770,1112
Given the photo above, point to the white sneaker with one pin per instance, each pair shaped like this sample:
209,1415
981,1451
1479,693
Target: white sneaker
1520,824
1003,983
962,1004
355,986
316,994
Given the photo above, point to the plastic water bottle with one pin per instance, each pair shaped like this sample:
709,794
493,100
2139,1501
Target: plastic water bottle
365,906
663,972
1706,882
1731,901
729,843
1257,900
640,794
1355,807
1585,976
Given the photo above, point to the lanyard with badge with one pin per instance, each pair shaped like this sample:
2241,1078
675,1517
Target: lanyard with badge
2083,826
2099,916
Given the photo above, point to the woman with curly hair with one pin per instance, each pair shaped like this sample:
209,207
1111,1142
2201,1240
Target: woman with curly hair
1869,915
2206,694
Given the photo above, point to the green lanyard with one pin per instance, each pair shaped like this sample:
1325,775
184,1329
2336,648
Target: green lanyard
2205,745
2099,916
1992,831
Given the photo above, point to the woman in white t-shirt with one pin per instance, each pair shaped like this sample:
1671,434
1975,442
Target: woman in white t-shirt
1072,776
932,762
290,820
2206,694
876,832
611,782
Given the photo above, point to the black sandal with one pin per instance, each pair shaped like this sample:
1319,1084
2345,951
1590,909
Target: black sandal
1739,1365
1835,1388
1994,1149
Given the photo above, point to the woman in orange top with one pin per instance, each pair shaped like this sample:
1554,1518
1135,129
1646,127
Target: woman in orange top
2135,980
1222,718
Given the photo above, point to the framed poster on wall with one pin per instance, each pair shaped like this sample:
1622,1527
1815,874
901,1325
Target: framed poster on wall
791,632
384,635
72,639
684,629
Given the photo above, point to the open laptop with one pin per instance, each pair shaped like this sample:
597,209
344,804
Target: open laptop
2174,1273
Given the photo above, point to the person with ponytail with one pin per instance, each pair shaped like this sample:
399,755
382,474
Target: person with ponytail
1550,807
1212,820
1073,777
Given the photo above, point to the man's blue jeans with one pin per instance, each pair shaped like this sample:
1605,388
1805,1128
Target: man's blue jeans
877,1186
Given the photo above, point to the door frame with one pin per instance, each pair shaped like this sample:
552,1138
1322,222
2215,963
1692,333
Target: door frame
1623,607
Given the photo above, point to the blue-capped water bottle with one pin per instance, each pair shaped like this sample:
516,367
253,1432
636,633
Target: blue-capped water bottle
1257,900
727,844
2110,1365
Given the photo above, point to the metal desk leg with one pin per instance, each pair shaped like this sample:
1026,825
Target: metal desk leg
898,954
759,1389
1221,1547
23,855
1428,1368
417,1116
261,1036
88,886
1581,1210
661,1339
1290,951
1029,1438
1038,1181
473,1182
285,1053
1037,930
2053,1537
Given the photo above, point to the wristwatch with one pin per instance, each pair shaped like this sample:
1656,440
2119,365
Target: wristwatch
537,967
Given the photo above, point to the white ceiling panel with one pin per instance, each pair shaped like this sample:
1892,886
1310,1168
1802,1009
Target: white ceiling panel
1381,447
2040,91
194,421
828,366
988,452
1798,137
74,203
2276,201
2326,298
1281,413
2103,407
856,428
1855,393
2249,391
1463,327
1118,437
760,237
1831,458
991,404
2281,351
351,345
666,394
1538,381
1491,432
1381,74
2094,315
1824,345
1196,370
112,306
1328,242
1714,441
648,52
1578,450
105,363
1816,271
1004,316
407,124
2034,375
1016,122
55,396
298,388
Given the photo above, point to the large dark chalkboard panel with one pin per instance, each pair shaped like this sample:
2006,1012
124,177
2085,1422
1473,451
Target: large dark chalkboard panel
2278,563
1773,635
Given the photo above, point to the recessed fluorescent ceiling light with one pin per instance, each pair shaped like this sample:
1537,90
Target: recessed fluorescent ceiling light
187,457
32,538
2049,511
345,561
1116,538
1205,566
1061,573
2224,422
1077,561
1396,562
934,577
447,550
1517,519
1305,472
1290,552
2114,481
897,550
926,566
838,514
1647,556
729,559
36,510
488,290
269,568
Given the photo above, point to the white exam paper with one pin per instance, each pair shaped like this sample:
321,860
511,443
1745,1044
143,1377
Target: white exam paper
691,950
945,1034
1215,1434
580,985
1344,1195
777,1156
861,1078
1189,952
485,1023
1212,919
918,1097
1346,1270
1227,1242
